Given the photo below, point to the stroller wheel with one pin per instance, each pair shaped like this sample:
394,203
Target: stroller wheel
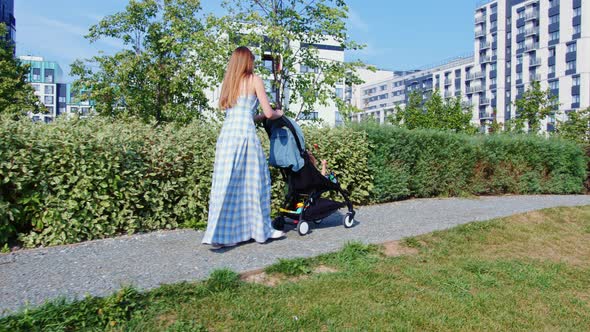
302,227
348,220
278,223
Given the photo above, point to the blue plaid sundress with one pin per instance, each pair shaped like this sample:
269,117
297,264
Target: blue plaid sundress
239,206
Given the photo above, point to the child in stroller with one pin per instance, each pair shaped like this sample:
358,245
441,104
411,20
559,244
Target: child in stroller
305,183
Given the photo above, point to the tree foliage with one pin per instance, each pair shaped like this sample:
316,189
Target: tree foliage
434,113
577,127
285,35
533,106
163,68
16,95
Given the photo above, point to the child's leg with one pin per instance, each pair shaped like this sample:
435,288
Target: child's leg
324,167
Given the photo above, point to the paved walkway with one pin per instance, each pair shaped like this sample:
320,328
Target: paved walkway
146,261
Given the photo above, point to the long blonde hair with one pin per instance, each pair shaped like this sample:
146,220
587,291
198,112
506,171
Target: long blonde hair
240,67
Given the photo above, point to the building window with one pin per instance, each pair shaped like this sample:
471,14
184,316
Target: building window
577,29
62,99
521,14
48,100
509,65
509,35
576,99
520,45
553,3
36,87
49,89
552,52
508,79
519,60
339,93
554,36
383,87
578,11
576,81
571,65
552,70
36,74
519,76
521,30
49,109
494,25
493,67
554,85
554,19
571,48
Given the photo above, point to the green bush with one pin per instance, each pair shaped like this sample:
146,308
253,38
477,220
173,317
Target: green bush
79,180
425,163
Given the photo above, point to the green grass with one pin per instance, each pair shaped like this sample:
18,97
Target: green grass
527,272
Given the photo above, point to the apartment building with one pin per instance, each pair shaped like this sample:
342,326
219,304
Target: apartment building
7,17
45,77
519,41
380,98
516,42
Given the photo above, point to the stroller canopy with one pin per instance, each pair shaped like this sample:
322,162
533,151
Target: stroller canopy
287,145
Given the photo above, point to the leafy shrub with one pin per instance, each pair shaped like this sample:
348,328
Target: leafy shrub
79,180
426,163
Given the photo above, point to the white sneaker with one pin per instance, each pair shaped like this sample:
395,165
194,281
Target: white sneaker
276,234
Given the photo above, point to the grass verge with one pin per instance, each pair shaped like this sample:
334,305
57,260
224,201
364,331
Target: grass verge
527,272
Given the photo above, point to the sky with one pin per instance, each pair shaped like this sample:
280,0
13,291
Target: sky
399,35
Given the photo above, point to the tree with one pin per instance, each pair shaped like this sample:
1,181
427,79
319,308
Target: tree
577,127
285,35
532,107
16,94
434,113
166,64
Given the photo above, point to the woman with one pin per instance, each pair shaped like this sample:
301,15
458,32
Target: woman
239,209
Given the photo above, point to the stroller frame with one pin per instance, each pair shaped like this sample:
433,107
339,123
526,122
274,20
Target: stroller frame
305,188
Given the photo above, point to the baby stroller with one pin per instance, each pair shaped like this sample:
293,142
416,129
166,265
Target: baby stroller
306,185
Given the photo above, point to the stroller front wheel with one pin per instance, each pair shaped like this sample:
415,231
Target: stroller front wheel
348,220
302,227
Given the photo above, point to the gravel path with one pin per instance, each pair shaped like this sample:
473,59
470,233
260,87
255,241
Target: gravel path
30,277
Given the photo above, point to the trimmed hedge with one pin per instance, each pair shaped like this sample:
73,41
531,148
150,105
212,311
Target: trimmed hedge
72,181
426,163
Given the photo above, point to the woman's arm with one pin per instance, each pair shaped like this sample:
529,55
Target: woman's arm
267,111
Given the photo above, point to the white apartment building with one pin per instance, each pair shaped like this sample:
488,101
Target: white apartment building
520,41
379,98
516,42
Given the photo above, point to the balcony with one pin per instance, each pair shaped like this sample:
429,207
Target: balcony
485,59
535,62
531,32
531,47
448,81
534,15
474,76
480,19
474,89
448,94
534,77
484,101
485,46
480,33
486,116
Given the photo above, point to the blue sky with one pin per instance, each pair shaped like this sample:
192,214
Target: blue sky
398,34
